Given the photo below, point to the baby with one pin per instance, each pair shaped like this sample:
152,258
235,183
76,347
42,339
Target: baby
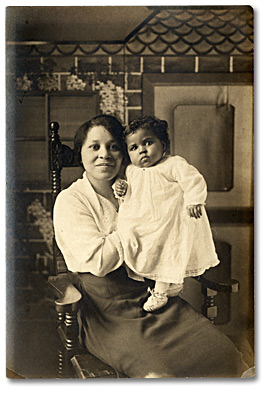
162,222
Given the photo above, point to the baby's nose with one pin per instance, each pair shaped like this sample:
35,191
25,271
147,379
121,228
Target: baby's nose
143,149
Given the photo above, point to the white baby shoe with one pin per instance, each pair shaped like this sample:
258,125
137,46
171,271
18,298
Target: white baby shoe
155,301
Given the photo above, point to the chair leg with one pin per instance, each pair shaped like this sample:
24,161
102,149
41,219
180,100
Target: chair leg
209,309
68,343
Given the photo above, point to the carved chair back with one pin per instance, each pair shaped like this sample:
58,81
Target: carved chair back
60,156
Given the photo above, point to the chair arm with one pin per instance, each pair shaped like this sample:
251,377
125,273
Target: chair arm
228,286
68,295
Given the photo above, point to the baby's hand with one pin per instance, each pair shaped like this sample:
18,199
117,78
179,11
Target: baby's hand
195,211
120,187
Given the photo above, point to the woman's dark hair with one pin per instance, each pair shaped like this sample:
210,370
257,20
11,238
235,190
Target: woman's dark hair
157,126
110,123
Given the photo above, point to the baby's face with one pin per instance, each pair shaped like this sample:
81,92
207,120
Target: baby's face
144,148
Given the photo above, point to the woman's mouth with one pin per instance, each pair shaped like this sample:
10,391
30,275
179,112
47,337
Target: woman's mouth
104,165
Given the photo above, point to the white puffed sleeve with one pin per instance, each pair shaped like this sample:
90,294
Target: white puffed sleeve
85,247
191,181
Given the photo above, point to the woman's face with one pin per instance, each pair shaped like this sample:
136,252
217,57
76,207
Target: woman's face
101,155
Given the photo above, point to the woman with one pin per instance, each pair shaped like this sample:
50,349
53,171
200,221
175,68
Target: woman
173,342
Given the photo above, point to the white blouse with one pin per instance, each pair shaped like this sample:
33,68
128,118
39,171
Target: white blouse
160,240
85,224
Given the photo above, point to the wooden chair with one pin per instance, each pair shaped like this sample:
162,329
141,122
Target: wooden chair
73,359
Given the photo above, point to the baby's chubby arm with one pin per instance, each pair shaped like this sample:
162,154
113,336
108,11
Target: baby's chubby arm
193,186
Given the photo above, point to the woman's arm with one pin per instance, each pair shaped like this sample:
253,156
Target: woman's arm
84,247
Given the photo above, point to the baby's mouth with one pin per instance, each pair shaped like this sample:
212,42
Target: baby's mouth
145,158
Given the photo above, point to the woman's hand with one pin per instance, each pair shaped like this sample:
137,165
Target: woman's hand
121,187
195,211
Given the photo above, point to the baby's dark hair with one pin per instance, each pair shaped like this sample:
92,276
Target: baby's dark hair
157,126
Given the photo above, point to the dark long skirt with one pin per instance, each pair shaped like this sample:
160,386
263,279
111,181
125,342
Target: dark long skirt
174,341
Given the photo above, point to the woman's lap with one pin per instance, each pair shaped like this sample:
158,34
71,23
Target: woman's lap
172,342
188,346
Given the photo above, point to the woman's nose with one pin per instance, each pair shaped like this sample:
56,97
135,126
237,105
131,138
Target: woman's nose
104,152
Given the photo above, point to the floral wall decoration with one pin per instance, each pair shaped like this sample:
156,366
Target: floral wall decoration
84,76
75,83
23,83
36,75
42,219
48,82
112,99
111,93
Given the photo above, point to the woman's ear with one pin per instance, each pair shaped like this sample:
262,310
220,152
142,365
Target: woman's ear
164,147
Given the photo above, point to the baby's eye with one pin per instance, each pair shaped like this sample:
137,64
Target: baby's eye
133,147
148,143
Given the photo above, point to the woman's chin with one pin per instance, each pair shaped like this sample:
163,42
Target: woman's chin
105,176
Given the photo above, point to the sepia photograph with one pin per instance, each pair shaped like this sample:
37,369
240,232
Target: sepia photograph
130,192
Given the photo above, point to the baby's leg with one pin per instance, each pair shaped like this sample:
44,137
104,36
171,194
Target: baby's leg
175,289
161,287
170,289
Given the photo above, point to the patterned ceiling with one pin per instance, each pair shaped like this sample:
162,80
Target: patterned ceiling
196,32
171,31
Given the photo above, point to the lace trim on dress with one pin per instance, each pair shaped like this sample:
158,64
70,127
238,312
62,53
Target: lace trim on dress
200,271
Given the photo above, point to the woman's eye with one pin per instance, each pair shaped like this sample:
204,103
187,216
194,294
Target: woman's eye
148,143
114,147
94,147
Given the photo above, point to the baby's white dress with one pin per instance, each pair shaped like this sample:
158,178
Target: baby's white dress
160,240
